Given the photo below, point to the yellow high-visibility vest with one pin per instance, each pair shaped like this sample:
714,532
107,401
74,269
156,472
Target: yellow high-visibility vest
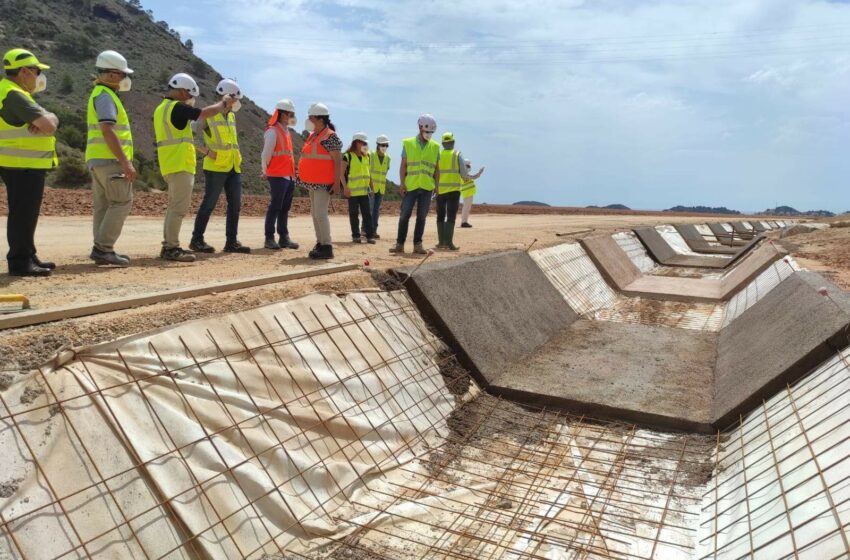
220,137
450,178
358,174
379,171
468,189
20,148
175,148
96,147
421,163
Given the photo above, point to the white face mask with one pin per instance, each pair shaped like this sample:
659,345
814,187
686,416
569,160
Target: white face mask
40,83
382,150
190,102
236,106
293,122
309,126
125,84
427,135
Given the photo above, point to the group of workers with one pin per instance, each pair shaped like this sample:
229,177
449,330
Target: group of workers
28,151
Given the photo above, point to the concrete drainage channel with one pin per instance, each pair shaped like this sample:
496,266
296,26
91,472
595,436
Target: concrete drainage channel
568,403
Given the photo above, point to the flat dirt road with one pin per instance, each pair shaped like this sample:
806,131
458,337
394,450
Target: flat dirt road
67,240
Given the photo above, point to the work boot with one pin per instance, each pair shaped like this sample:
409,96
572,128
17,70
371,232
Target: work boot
43,264
314,252
235,247
441,236
397,248
322,252
287,243
176,254
370,240
29,269
272,244
419,249
201,246
465,224
376,236
357,239
108,258
449,232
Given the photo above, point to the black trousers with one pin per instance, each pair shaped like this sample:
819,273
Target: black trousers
447,205
24,189
357,206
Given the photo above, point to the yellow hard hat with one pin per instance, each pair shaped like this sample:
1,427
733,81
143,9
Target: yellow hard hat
448,137
20,58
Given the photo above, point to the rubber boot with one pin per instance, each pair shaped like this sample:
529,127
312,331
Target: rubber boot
450,235
441,236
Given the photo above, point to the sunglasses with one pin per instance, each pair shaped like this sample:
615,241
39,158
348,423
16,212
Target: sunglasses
383,145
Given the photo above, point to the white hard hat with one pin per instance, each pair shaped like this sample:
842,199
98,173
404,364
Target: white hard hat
111,60
285,105
382,139
184,81
427,122
469,164
360,136
229,87
318,110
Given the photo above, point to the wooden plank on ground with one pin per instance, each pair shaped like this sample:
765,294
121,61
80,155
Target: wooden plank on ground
36,317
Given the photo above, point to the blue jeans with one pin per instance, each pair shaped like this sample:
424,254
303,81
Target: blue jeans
278,212
216,181
375,201
422,200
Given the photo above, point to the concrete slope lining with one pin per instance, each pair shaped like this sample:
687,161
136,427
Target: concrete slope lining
675,240
758,288
702,242
666,255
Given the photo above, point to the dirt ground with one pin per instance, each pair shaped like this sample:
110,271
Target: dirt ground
67,240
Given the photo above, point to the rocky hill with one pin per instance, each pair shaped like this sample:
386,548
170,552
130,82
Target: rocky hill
790,211
68,34
611,207
703,210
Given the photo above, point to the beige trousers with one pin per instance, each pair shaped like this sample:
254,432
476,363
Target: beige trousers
112,199
467,208
319,202
180,187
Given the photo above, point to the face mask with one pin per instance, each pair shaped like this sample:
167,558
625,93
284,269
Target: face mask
293,122
40,83
309,126
125,84
236,106
190,102
427,135
382,150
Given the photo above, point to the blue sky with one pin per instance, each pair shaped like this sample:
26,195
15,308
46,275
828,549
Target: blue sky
739,103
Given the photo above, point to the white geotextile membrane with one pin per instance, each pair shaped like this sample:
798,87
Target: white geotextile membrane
632,246
782,486
255,427
727,227
760,287
678,243
708,235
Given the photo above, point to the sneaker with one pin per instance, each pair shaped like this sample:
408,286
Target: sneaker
236,247
272,244
201,247
419,249
30,269
397,248
370,240
356,239
464,224
176,254
287,243
108,258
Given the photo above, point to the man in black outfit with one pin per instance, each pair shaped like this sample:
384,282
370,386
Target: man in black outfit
27,151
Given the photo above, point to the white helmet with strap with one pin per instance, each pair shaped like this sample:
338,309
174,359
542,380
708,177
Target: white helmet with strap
360,136
428,123
382,139
184,81
229,87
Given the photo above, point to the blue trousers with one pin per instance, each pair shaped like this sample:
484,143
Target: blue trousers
422,200
216,181
375,201
281,201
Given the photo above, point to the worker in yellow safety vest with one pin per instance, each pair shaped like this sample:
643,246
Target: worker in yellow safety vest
175,151
419,175
356,184
467,191
453,175
222,172
379,166
109,156
27,152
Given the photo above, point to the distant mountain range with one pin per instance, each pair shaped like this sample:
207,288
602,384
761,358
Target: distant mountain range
530,203
611,207
703,209
789,211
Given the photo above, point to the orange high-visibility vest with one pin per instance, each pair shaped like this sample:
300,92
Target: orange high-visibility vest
282,163
316,164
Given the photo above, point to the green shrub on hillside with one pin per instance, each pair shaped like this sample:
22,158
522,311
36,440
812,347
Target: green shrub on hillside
72,172
74,46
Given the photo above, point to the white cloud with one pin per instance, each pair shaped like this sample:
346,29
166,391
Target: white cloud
572,102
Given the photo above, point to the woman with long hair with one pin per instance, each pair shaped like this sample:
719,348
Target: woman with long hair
356,184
